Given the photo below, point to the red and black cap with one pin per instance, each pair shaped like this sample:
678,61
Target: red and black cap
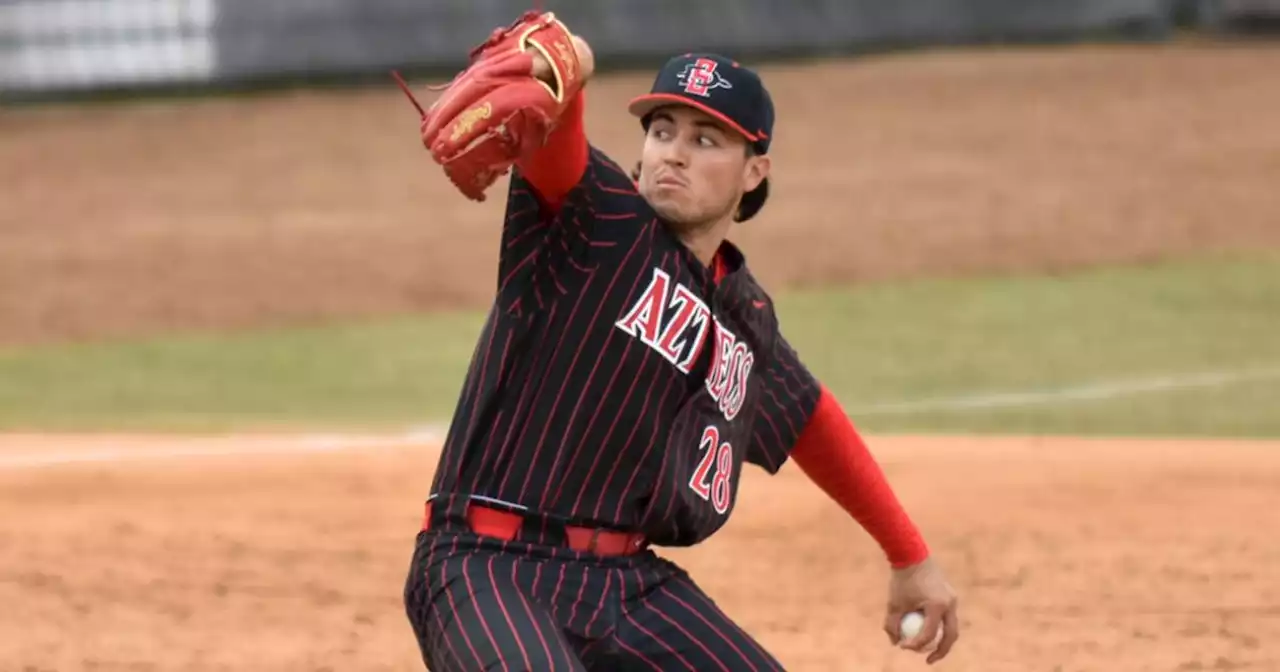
717,85
722,88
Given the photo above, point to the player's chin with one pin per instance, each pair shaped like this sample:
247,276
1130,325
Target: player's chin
674,213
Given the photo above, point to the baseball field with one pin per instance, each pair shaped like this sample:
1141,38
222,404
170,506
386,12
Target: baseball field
1044,282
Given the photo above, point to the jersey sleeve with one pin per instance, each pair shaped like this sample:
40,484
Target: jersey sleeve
788,400
569,209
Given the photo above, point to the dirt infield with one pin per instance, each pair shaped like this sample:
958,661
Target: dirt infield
289,554
126,219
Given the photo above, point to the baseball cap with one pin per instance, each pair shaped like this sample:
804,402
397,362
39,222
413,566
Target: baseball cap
724,89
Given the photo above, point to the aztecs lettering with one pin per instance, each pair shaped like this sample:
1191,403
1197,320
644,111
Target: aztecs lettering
730,372
677,324
670,319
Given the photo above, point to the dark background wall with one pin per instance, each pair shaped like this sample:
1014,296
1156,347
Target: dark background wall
56,46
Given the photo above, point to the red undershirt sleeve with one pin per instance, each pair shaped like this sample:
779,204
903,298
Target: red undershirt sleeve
834,456
554,169
831,453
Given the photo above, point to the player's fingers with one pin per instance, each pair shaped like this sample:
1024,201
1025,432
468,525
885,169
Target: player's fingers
893,624
950,633
932,621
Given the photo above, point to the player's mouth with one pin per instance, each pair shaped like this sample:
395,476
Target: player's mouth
670,181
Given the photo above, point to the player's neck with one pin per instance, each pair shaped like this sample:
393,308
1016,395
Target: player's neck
705,241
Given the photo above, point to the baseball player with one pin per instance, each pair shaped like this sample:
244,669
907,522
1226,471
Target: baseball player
630,365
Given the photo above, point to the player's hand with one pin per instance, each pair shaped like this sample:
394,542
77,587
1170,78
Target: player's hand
586,60
923,588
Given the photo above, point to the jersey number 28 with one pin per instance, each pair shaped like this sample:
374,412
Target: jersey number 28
708,487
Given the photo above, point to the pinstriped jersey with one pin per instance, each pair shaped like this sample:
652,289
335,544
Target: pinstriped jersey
615,383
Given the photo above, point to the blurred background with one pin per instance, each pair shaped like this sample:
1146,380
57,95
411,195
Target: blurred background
59,46
222,241
179,168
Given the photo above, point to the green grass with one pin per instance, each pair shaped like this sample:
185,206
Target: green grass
872,345
381,374
940,339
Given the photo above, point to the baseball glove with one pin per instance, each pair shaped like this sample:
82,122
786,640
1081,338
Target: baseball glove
496,110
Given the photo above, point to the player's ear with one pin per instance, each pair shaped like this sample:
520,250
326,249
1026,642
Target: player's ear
756,170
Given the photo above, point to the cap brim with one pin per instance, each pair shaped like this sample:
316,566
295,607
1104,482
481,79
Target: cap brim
643,105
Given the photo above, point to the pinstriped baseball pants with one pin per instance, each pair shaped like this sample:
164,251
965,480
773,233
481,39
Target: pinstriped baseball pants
477,603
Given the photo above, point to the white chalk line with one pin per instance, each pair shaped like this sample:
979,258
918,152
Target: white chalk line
257,446
1088,392
232,446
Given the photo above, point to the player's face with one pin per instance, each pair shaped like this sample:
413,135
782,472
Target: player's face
694,169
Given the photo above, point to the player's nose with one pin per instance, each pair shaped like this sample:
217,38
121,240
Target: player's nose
675,154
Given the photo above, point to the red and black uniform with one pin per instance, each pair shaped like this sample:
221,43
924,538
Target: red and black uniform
618,387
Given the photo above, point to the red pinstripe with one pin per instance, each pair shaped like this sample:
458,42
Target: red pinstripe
532,619
484,623
442,632
790,426
546,421
608,581
573,365
444,579
604,443
502,606
679,432
569,256
524,398
578,230
582,587
649,448
623,645
518,238
768,418
683,661
587,432
474,389
555,279
516,269
696,642
537,576
555,594
480,384
749,639
676,598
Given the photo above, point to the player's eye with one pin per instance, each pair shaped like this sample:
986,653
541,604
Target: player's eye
706,141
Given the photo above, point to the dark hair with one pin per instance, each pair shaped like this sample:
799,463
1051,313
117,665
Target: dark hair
751,202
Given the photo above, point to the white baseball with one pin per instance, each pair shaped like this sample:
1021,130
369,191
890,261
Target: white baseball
911,625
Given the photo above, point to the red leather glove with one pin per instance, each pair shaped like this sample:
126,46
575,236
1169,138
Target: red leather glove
496,110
